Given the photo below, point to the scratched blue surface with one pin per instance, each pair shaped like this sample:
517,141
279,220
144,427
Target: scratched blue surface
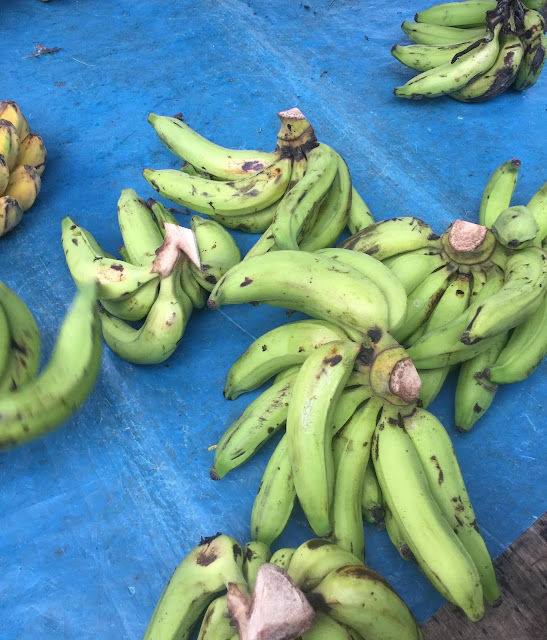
95,517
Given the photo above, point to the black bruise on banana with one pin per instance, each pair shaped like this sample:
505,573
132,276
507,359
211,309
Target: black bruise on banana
441,474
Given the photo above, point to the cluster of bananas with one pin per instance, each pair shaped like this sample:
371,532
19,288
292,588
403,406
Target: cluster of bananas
300,196
32,403
473,50
318,591
22,162
142,286
476,295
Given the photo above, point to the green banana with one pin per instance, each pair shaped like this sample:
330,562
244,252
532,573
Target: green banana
440,466
427,33
349,401
359,215
371,500
525,350
254,554
44,403
383,277
317,387
515,227
397,538
364,601
285,373
538,207
457,14
325,628
300,280
453,75
204,155
413,267
275,351
140,232
264,244
390,237
350,473
274,501
248,195
20,342
282,557
256,222
498,191
203,574
191,287
315,559
535,52
437,549
424,57
259,422
216,622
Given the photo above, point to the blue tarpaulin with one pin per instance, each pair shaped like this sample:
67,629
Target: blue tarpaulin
95,516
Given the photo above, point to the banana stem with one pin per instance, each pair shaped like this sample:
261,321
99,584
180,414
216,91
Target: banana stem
177,240
296,135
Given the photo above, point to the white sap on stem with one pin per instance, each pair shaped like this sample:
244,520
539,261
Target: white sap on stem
177,240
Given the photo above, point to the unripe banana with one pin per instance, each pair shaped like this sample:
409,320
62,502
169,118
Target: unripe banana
216,622
24,186
254,554
371,500
140,232
282,557
413,267
499,191
538,207
325,628
515,227
32,152
457,14
359,216
9,143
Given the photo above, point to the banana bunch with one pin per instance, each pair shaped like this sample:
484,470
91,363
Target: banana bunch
299,197
475,295
32,403
22,162
473,50
166,272
318,591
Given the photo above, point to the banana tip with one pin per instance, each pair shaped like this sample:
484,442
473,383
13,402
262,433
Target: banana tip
213,474
211,304
515,162
416,17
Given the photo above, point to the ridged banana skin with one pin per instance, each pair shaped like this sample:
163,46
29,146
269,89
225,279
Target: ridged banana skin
498,78
32,151
276,350
315,559
413,267
11,214
525,350
223,163
301,201
474,393
384,278
140,233
427,33
395,535
371,500
361,599
499,191
516,301
325,628
115,279
452,76
390,237
457,14
424,57
218,251
216,622
247,195
348,531
191,287
11,111
303,281
161,332
282,557
22,342
9,143
254,554
532,64
538,207
316,390
24,186
333,212
359,215
47,401
259,422
428,534
202,574
274,501
441,468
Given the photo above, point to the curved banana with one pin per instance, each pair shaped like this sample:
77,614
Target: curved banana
248,195
21,342
371,500
316,390
498,191
282,557
515,227
203,574
274,501
538,207
395,535
525,350
390,237
191,287
11,214
347,517
188,145
440,466
140,233
424,57
9,143
428,534
275,351
24,186
383,277
44,403
254,554
535,53
136,306
361,599
216,622
259,422
359,215
428,33
413,267
161,332
32,152
349,401
303,281
315,559
10,111
325,628
256,222
453,75
457,14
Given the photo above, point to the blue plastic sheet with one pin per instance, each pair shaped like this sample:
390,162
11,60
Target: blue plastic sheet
95,516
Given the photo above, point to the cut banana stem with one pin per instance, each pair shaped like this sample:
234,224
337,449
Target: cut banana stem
177,239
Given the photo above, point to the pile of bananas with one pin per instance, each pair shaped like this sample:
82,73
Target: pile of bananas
135,288
318,591
32,403
22,162
299,196
473,50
